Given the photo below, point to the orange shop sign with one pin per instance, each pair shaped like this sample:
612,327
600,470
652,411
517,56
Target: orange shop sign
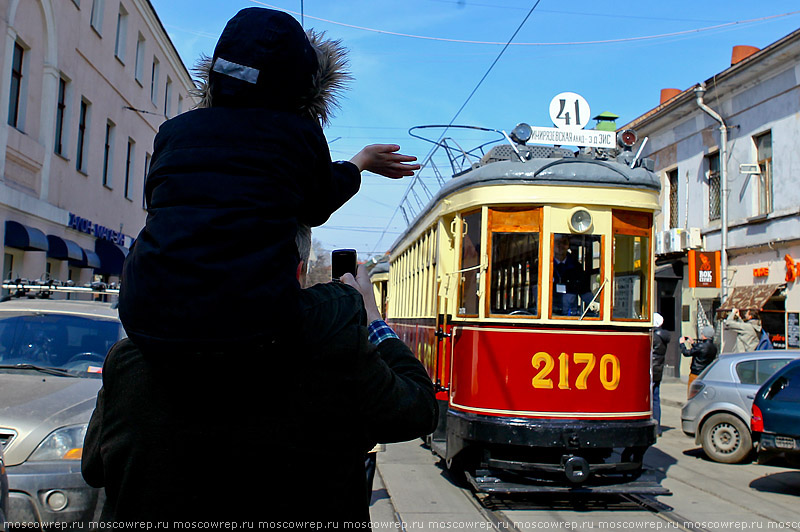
792,269
704,269
761,272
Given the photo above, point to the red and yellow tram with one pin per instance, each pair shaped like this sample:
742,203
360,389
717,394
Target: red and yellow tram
526,288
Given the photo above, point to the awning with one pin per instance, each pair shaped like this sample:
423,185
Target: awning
23,237
89,259
672,270
111,256
63,249
749,297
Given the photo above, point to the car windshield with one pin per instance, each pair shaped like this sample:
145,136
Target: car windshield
76,343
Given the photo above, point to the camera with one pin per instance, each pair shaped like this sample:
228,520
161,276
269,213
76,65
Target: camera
343,261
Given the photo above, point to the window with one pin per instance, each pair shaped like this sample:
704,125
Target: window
14,101
712,172
83,133
128,162
108,153
122,34
168,98
147,157
138,73
154,83
758,371
470,264
764,154
576,271
786,388
97,15
672,176
61,108
514,242
631,263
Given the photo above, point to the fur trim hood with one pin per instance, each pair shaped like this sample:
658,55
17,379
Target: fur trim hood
264,59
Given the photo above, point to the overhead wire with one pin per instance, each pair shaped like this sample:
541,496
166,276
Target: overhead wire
566,43
436,145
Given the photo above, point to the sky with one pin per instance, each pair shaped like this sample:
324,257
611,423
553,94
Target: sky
424,62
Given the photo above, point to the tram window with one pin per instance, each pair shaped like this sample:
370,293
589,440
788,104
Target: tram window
631,261
515,273
470,264
577,262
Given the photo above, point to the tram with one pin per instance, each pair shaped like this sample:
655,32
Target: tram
525,286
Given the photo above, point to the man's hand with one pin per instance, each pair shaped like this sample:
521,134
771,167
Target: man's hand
362,283
382,159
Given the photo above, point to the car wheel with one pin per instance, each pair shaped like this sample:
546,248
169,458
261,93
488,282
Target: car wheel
726,439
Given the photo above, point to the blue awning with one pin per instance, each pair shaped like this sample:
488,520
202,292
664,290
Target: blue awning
111,256
23,237
89,259
63,249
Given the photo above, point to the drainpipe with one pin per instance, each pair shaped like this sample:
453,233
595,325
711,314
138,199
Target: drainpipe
699,91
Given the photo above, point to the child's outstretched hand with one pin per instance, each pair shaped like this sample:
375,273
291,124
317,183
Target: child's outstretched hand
382,159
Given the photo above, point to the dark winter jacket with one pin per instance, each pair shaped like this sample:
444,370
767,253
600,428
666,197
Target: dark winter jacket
216,261
703,353
661,338
214,266
295,419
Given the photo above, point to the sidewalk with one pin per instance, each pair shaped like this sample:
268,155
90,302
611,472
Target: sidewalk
673,392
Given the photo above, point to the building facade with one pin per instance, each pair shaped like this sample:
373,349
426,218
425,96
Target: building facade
84,86
752,177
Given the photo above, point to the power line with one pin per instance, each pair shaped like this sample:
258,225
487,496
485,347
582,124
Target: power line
436,145
568,43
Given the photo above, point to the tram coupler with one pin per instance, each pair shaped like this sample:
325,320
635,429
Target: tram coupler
576,468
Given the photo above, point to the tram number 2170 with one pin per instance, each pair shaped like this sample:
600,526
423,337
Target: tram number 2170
544,363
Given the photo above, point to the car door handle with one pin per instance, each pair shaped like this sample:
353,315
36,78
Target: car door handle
751,396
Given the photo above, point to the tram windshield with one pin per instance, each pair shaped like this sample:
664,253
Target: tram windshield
576,267
631,263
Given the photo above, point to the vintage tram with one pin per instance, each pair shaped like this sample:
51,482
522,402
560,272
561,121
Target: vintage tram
525,286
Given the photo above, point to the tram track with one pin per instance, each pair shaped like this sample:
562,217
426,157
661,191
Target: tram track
493,508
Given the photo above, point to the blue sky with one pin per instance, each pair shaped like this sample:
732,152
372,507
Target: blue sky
405,80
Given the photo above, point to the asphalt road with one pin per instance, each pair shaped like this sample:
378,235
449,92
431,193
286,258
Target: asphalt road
414,492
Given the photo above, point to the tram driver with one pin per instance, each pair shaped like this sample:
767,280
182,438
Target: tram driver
570,281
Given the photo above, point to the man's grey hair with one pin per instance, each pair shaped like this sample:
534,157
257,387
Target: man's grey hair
303,241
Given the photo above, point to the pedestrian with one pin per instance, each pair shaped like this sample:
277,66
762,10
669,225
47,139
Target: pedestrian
661,338
702,351
239,396
748,330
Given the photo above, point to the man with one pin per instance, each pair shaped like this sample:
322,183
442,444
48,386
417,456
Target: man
569,279
238,395
279,433
661,339
748,330
702,351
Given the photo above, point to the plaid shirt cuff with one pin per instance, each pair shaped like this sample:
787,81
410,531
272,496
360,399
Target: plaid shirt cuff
379,331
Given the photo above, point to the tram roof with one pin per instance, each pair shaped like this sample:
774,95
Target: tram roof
585,171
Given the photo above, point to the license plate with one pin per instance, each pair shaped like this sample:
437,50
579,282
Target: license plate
784,442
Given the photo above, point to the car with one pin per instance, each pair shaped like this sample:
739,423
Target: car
775,420
51,360
717,413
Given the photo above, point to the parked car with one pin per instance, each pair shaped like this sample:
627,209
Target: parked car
717,413
51,359
776,416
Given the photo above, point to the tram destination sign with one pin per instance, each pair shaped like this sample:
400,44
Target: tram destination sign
573,137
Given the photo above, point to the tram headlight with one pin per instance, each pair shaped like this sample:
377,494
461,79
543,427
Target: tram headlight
580,221
626,138
521,134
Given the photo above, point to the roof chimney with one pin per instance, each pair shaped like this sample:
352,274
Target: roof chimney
742,52
668,94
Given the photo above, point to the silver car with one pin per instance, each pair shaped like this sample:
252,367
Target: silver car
717,413
51,359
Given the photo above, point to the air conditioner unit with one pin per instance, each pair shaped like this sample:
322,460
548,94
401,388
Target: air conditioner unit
678,239
662,241
695,238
